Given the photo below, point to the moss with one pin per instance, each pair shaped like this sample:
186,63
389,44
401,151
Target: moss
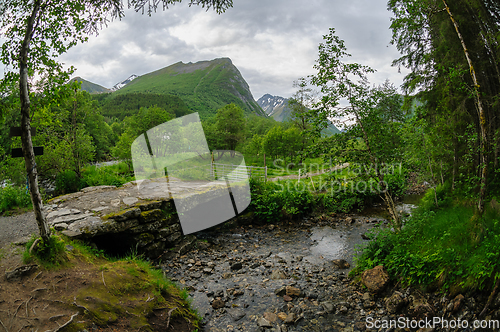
151,215
123,214
130,289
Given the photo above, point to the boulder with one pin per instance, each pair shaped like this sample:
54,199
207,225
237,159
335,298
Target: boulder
375,279
395,303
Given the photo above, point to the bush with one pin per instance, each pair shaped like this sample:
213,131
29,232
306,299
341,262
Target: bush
12,197
271,201
67,182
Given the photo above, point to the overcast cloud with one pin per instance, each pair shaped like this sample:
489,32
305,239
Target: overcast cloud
272,42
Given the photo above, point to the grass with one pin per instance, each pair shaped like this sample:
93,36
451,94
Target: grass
448,249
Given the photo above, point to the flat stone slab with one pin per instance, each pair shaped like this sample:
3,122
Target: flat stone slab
67,219
130,200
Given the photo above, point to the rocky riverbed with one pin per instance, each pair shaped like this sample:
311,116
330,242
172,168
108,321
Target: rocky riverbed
293,277
287,277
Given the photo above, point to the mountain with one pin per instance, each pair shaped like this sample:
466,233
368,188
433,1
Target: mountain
277,107
120,85
90,87
204,86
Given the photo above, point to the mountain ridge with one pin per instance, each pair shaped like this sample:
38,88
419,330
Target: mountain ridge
205,86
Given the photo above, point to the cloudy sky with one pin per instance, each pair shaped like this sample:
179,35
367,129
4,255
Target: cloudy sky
272,42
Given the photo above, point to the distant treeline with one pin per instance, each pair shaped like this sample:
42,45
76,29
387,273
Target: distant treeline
121,106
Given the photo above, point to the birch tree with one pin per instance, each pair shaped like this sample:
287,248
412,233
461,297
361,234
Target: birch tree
36,33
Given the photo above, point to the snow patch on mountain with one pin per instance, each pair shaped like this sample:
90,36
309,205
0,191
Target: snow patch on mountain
120,85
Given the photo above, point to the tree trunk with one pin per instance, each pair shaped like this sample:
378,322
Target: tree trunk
482,119
27,144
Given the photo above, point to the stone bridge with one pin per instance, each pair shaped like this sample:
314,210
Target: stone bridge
124,219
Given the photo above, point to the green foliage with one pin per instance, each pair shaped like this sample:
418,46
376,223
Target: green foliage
230,123
115,175
129,104
282,143
12,197
272,201
440,247
67,182
145,119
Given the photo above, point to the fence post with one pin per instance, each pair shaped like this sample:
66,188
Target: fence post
265,173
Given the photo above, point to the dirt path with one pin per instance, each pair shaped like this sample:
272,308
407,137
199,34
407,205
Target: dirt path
17,227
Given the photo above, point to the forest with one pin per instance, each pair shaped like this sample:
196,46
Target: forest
441,128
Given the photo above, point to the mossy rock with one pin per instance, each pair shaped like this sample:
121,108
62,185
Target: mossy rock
144,239
123,215
150,205
151,216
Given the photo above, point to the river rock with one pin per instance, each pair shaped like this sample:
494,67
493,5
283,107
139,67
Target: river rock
237,314
270,317
375,279
262,322
282,316
293,291
218,303
278,274
457,302
394,303
290,318
236,266
280,291
341,263
328,306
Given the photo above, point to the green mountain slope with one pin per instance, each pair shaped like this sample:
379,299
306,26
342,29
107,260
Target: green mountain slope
90,87
204,86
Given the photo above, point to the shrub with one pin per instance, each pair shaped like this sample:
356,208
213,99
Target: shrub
67,182
11,197
271,201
